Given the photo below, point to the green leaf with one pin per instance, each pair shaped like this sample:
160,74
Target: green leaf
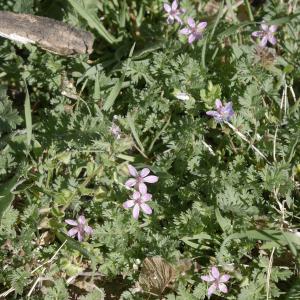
118,86
134,132
6,194
114,93
280,239
93,21
75,245
224,223
97,93
199,237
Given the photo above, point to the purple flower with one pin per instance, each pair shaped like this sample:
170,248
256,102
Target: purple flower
266,34
115,131
139,179
222,113
173,12
80,228
217,280
194,31
137,201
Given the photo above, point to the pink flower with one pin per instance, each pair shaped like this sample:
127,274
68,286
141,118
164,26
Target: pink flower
173,12
137,201
222,113
194,31
266,34
217,281
80,228
139,179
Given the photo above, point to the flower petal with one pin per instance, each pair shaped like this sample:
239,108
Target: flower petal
146,208
136,211
257,33
88,229
81,220
211,290
273,28
228,109
71,222
213,113
215,272
192,38
201,26
222,287
72,231
272,39
142,188
207,278
144,172
80,236
174,5
151,179
130,183
264,41
127,204
132,170
185,31
146,197
136,195
224,278
218,104
167,7
191,22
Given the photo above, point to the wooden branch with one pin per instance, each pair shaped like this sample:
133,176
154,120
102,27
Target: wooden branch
49,34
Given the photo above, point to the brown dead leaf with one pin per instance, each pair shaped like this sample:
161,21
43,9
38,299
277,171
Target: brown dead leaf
155,275
46,238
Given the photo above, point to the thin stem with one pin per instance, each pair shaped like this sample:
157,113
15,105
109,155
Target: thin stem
249,10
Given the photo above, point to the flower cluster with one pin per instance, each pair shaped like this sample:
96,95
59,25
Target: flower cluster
193,31
140,195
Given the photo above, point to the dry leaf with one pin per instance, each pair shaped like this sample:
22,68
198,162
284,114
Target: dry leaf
46,238
155,275
68,88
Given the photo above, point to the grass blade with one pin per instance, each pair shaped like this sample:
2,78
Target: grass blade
114,93
6,195
28,117
134,132
93,21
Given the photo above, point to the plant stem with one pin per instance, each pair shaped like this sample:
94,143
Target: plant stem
249,10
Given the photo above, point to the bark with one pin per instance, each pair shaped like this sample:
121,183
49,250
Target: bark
49,34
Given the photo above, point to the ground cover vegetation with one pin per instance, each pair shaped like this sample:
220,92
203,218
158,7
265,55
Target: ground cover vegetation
164,165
